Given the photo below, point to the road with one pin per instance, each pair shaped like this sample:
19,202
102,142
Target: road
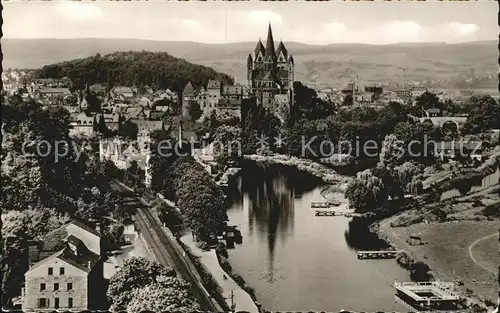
164,250
472,256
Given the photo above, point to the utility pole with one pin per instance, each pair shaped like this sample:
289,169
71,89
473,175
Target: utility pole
404,77
233,305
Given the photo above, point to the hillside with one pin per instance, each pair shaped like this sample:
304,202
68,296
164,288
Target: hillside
331,64
157,69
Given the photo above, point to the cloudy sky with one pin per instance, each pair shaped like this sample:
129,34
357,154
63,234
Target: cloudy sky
220,22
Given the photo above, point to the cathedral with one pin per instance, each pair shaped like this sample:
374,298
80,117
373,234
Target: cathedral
270,74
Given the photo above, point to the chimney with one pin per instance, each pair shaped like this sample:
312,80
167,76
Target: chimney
98,227
89,263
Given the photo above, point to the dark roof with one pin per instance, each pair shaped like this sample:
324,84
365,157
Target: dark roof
270,51
213,84
281,48
249,59
74,240
228,103
232,90
259,48
86,260
291,59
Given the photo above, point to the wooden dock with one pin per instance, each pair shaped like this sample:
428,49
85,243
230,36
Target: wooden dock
321,205
335,213
427,294
377,254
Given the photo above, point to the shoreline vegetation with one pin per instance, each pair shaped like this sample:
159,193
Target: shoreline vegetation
415,264
326,174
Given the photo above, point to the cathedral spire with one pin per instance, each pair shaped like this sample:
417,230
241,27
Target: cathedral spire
270,43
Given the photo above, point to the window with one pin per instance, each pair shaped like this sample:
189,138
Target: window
51,271
70,302
61,271
56,286
42,287
70,286
56,303
42,303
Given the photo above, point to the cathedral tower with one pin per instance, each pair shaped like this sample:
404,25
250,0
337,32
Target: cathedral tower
270,73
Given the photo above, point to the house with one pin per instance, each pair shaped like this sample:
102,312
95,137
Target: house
415,239
112,120
82,124
433,112
98,89
65,270
50,93
214,87
126,92
452,150
404,94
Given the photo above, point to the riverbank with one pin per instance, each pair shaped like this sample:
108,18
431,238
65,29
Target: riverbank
231,291
323,172
455,252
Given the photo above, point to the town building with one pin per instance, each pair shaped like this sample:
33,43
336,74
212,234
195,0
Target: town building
82,124
66,270
123,92
270,72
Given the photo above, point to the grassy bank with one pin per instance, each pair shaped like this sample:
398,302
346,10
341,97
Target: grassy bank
458,252
325,173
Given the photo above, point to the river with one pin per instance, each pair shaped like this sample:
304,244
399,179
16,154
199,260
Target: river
298,262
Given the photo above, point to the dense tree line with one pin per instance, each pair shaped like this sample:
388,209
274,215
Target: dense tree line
42,190
156,69
185,181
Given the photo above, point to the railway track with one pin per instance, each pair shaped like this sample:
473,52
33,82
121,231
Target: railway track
165,252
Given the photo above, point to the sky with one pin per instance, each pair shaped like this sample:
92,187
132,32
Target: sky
222,22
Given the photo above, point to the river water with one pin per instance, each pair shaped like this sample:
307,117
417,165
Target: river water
298,262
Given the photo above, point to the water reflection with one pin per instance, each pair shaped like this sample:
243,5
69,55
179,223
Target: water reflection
296,261
359,237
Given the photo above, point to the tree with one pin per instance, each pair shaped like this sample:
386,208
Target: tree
392,150
308,105
169,294
483,114
228,138
129,130
348,100
194,110
135,273
360,197
428,100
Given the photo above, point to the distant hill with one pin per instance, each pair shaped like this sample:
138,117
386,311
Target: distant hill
334,64
139,68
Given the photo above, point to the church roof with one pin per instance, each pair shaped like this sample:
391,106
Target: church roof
281,48
259,48
188,90
270,51
249,59
290,59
